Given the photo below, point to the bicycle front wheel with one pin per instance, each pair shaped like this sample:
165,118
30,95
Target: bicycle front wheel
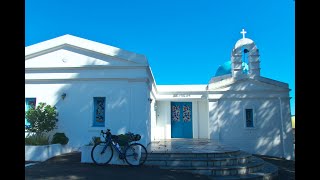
136,154
101,153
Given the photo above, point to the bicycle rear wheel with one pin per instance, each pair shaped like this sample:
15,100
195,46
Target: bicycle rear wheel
101,153
136,154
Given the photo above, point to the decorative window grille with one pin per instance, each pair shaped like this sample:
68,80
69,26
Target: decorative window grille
29,103
99,111
249,118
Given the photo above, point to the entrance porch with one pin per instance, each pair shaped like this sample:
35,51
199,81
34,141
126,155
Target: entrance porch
180,119
181,145
207,157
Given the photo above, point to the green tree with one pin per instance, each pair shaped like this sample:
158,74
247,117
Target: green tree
42,118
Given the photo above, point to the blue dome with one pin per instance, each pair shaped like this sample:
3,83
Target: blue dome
225,68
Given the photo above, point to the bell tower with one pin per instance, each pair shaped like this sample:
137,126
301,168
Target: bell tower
242,47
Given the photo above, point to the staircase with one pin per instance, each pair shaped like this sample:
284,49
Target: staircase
216,165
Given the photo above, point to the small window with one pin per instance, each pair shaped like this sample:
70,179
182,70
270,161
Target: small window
99,111
30,103
249,117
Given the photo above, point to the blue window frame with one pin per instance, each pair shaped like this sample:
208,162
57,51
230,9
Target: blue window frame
249,117
99,111
29,103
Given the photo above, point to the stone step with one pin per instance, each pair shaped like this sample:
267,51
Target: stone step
267,172
194,154
255,165
199,161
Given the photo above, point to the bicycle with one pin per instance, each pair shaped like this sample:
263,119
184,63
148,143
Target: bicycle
135,154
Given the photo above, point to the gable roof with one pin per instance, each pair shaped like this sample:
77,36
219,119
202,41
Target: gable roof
69,40
246,83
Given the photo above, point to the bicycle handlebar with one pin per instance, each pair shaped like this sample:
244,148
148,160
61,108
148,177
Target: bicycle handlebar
107,133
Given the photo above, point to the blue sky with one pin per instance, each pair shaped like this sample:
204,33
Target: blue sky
185,41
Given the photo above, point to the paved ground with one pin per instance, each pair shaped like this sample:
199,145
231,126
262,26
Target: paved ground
286,168
68,166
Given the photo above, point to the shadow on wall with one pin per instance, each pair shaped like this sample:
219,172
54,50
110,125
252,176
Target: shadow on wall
264,138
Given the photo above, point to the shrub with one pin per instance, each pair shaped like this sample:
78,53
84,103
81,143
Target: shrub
43,118
37,139
96,139
60,138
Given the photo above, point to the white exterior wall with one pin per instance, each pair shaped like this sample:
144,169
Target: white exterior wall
124,84
140,112
272,134
153,113
213,124
153,120
266,136
124,111
86,73
163,122
203,119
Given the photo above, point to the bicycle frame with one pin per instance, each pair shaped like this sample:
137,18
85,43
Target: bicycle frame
131,149
108,141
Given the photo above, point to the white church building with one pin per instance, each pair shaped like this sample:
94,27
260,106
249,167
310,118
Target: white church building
96,86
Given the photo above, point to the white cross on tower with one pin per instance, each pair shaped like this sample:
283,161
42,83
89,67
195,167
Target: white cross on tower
243,32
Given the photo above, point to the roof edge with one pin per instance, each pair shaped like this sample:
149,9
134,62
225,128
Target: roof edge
57,42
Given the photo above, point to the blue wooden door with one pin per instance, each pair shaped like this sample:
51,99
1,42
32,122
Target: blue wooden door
181,120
